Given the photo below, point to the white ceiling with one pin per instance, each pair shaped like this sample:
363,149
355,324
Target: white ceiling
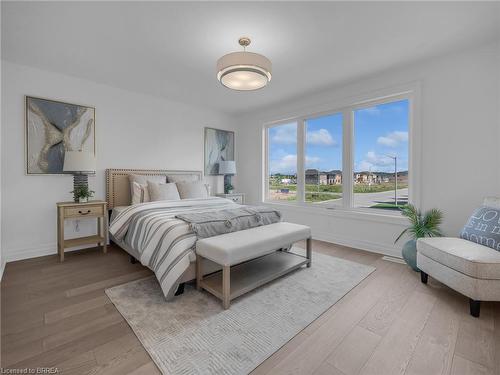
170,49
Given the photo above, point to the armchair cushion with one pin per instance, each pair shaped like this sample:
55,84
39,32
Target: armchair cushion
464,256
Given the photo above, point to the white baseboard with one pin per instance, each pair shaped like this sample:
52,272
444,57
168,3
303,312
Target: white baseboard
393,259
2,268
34,252
41,250
384,249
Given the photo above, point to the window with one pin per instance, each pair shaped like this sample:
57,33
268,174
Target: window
282,163
356,157
323,160
381,155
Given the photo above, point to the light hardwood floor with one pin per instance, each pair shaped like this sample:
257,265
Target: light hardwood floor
56,314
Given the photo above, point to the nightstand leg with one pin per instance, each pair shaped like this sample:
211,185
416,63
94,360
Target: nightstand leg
105,233
60,234
101,231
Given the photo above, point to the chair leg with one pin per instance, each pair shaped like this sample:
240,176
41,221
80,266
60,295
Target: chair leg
475,307
424,277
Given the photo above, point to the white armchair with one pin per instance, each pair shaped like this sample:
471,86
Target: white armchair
467,267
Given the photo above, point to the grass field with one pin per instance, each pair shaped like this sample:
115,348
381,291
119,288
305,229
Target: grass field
323,193
358,188
321,197
389,206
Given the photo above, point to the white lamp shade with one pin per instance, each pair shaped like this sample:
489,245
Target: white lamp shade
227,167
244,71
79,161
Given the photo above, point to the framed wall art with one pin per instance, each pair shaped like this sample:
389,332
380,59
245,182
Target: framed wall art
52,128
219,145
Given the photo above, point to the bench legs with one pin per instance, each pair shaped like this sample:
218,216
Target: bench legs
226,275
309,251
226,286
226,281
199,272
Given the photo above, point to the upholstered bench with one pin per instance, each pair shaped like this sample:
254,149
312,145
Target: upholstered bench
471,269
250,258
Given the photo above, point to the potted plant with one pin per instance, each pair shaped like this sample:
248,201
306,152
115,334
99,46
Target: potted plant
421,225
82,194
228,188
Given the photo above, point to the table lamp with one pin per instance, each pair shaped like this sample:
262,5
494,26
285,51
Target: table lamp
228,169
80,164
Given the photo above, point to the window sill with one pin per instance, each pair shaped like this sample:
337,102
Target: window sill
365,214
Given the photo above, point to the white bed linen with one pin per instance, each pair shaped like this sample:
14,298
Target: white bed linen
164,244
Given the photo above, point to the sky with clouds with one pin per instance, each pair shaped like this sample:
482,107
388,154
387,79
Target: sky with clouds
379,131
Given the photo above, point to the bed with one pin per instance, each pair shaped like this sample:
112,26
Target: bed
141,245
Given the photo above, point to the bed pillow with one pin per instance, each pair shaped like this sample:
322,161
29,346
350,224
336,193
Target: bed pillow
163,192
493,202
182,177
483,227
192,189
141,195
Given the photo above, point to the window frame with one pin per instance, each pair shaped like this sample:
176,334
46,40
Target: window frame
410,92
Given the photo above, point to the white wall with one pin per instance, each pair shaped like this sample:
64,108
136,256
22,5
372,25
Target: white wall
460,136
2,258
460,122
132,131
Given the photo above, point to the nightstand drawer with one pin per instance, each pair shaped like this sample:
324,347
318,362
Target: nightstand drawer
83,211
236,199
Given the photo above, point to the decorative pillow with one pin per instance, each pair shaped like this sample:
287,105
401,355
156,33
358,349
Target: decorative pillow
182,177
483,227
163,192
140,193
493,202
192,189
142,181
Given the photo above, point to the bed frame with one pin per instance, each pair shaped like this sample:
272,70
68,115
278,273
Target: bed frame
118,194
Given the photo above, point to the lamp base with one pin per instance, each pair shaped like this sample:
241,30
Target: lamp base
79,180
227,183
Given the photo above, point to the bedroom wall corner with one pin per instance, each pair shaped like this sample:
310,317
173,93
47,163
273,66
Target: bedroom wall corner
133,130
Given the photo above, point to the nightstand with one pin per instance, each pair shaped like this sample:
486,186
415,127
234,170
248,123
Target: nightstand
73,210
235,197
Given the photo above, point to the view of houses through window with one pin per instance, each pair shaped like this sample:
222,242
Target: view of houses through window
381,155
282,162
380,158
323,159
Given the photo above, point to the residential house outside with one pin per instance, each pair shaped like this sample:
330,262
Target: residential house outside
316,177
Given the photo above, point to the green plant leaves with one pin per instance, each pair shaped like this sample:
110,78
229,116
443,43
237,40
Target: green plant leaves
422,225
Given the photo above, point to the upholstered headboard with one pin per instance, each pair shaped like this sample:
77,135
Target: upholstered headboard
118,184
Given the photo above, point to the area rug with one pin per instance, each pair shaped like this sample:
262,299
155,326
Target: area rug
194,335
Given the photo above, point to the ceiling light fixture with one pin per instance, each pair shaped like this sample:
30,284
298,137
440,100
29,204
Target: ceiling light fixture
244,71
